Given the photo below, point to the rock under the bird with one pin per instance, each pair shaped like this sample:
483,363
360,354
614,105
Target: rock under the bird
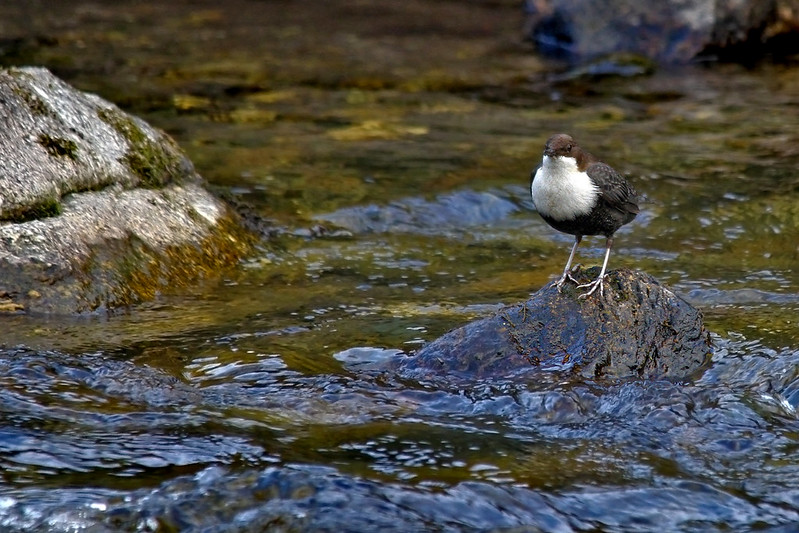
638,329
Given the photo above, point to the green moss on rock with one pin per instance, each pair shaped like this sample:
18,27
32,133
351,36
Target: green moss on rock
59,146
153,164
37,106
49,207
127,271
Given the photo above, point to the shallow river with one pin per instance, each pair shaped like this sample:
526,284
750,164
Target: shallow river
389,149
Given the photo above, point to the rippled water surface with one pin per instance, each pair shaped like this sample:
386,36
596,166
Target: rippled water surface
388,147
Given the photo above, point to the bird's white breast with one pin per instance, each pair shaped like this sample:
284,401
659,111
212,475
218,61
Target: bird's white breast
560,191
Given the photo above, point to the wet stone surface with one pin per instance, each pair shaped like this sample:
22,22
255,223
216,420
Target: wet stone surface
634,328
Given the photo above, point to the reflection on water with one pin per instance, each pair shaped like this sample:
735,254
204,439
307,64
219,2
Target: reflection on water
251,441
391,145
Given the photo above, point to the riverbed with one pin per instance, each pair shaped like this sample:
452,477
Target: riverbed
387,149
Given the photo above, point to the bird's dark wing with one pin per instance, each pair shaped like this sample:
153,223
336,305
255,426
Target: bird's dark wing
615,190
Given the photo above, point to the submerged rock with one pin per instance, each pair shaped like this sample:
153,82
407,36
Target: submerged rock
638,328
98,209
672,31
418,215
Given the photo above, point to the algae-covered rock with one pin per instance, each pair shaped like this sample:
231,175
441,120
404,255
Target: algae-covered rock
98,209
638,328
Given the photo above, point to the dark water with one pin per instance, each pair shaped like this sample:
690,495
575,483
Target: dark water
392,145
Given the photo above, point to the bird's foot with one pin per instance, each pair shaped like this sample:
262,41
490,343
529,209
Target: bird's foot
567,276
562,280
594,285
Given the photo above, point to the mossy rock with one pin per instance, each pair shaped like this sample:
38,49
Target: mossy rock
100,209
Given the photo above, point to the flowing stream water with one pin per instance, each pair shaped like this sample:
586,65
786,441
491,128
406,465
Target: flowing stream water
390,145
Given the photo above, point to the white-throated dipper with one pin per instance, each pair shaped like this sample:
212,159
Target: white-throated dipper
576,193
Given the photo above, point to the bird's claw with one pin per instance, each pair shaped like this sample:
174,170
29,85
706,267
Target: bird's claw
567,276
563,279
597,283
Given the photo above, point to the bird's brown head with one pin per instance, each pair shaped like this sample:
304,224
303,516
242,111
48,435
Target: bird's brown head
561,144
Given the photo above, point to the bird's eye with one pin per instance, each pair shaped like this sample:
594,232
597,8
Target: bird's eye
568,148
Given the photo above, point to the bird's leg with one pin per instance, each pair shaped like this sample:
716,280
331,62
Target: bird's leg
567,271
598,281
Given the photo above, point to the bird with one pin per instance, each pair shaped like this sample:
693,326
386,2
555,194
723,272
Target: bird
576,193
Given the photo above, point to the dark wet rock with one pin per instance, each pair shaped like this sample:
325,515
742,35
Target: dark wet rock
418,215
672,31
98,209
638,328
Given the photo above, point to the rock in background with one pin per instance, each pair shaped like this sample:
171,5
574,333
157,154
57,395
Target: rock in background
669,31
98,209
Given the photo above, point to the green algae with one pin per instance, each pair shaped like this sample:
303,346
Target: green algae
47,207
154,163
37,106
124,272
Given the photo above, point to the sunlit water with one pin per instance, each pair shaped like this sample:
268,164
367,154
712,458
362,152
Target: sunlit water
393,159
